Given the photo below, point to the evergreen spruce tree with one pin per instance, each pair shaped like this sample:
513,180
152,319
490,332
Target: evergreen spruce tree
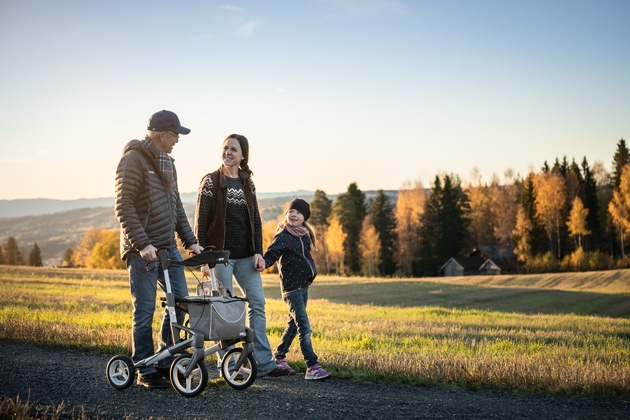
430,230
35,257
444,227
350,208
454,220
13,255
620,159
591,202
321,207
384,221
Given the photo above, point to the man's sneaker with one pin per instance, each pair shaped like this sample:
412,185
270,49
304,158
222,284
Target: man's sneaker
283,364
316,372
153,380
164,371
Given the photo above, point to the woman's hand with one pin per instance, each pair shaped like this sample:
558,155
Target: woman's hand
259,262
205,270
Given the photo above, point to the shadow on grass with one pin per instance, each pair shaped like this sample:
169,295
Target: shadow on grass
503,299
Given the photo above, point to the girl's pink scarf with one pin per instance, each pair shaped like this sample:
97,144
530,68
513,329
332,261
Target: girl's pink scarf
296,231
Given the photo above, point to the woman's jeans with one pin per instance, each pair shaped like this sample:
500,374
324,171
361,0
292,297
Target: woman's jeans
144,276
299,324
250,283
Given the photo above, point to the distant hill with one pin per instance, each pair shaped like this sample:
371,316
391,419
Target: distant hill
57,225
56,232
38,206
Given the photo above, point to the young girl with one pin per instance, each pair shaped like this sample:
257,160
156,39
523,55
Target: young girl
291,247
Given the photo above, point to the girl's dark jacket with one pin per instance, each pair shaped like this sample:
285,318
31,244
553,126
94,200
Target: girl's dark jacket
295,263
149,213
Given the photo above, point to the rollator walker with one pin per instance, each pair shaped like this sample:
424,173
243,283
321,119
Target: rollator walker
211,317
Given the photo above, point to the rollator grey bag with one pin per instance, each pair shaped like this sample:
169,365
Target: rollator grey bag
218,318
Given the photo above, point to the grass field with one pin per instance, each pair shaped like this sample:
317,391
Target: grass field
554,333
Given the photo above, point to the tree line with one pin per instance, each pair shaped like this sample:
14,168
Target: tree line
10,254
565,217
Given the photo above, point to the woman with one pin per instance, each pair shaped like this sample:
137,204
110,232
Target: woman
227,217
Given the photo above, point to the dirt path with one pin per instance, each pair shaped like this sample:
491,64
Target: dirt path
52,376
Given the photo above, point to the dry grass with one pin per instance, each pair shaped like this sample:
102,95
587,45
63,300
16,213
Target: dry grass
564,334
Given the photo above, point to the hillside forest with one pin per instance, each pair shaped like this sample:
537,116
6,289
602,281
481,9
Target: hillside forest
567,216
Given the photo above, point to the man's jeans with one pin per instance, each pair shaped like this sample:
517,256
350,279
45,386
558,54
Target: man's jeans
144,276
299,324
250,283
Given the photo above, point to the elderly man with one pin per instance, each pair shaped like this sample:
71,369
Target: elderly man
150,211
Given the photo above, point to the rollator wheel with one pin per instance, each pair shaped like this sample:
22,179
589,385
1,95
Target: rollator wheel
245,376
120,372
195,382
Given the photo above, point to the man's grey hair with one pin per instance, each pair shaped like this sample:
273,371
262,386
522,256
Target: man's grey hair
153,134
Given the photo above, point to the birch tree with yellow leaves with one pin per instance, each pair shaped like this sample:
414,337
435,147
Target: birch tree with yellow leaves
577,221
335,238
369,249
619,206
550,199
409,208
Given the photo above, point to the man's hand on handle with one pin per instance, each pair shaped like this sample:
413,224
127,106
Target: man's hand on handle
149,253
195,249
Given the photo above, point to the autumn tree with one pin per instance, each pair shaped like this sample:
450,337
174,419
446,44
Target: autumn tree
481,222
35,257
350,209
68,258
82,251
2,260
99,249
269,230
504,201
577,221
381,214
619,206
106,252
335,239
369,249
523,238
620,159
409,209
550,198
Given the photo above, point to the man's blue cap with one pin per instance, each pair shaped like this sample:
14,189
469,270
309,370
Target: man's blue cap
166,121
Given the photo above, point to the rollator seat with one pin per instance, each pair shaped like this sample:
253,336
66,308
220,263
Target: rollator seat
211,257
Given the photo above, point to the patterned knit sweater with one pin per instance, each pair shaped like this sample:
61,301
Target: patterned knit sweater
227,215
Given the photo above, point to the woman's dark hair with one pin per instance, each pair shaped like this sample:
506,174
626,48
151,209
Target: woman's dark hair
242,141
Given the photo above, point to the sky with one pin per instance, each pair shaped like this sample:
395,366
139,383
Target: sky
328,92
